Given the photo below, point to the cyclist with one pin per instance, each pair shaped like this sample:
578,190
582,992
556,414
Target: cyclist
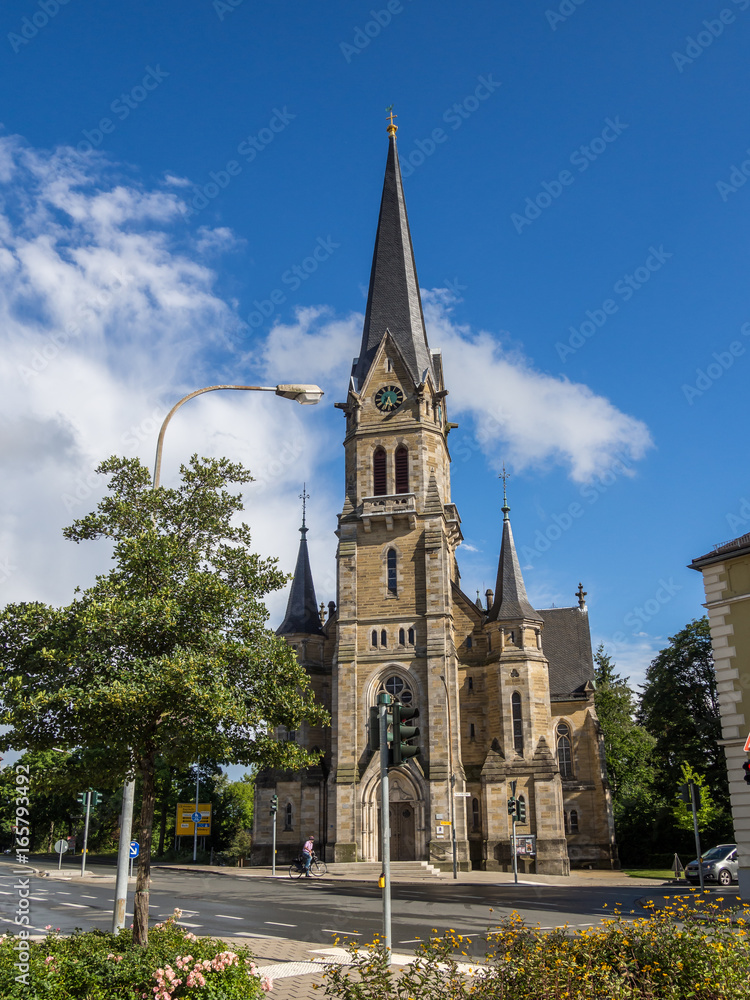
307,854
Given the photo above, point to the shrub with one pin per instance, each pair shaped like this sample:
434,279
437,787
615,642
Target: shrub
95,965
689,949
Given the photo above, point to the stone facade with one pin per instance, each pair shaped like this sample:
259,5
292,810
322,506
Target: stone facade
726,580
497,704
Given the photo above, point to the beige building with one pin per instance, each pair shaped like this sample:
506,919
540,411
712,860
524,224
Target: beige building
504,690
726,580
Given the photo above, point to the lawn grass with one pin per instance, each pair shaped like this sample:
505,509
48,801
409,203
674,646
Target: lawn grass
659,873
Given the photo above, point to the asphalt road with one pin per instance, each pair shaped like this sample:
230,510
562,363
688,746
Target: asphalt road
314,911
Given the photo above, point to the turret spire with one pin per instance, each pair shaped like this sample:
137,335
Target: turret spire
393,300
511,600
302,614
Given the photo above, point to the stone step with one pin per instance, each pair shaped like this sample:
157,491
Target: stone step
372,869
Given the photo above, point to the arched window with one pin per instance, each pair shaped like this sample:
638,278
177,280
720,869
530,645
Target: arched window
379,487
398,688
374,637
564,751
402,469
573,821
383,637
515,703
392,575
288,816
401,637
475,814
411,636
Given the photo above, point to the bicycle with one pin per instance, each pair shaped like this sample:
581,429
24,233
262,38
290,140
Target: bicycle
317,867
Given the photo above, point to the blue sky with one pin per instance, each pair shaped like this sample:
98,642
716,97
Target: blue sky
580,225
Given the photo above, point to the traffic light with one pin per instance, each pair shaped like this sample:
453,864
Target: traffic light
511,806
401,750
81,797
520,810
274,803
685,795
746,769
374,734
96,798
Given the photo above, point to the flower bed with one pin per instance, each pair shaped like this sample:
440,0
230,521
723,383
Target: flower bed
687,949
95,965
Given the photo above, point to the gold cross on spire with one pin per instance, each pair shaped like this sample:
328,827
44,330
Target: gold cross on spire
392,129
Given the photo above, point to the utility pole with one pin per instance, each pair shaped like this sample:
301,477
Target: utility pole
384,701
512,811
451,780
274,810
197,788
695,803
86,833
123,855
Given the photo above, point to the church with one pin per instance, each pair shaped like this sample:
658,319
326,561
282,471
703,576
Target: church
504,690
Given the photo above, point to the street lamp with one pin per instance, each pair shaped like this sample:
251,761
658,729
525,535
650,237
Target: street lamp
451,780
301,393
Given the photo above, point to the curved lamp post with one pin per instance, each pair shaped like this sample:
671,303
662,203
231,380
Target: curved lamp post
302,393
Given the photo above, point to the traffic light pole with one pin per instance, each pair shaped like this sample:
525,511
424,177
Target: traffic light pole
86,833
273,847
385,822
513,835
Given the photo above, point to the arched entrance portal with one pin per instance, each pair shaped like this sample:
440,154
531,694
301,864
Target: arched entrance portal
406,818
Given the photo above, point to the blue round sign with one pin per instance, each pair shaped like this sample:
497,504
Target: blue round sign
196,817
135,848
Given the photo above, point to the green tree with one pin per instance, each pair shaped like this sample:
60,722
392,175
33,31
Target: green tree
679,707
709,815
167,655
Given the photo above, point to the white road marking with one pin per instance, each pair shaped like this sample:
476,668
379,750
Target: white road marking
78,906
275,923
330,930
84,896
225,916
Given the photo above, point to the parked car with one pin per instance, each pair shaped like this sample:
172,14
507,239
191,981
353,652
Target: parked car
720,865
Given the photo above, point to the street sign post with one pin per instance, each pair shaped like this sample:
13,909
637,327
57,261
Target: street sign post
86,833
135,850
61,847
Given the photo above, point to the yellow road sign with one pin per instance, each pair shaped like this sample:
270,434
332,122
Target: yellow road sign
185,826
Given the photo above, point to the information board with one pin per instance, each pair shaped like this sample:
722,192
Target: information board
184,825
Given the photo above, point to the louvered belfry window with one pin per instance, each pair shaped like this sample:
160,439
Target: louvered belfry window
378,473
402,469
515,703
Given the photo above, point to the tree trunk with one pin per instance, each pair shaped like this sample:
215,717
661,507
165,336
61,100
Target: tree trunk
148,803
51,839
166,789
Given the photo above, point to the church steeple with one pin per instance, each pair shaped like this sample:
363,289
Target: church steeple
393,300
511,601
302,613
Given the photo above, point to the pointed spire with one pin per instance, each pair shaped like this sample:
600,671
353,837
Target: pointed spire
393,300
302,614
511,601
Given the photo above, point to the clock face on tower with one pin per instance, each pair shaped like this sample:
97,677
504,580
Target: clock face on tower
389,398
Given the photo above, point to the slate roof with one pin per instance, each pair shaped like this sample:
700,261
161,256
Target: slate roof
511,600
566,641
738,546
393,300
302,614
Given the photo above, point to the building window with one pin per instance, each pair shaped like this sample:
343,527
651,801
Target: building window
470,683
401,637
472,731
565,821
475,814
411,636
402,469
374,637
398,688
291,735
564,751
469,642
379,488
573,821
288,816
515,703
392,580
383,637
388,365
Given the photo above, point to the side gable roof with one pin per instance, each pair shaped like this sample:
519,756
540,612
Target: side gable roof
566,641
